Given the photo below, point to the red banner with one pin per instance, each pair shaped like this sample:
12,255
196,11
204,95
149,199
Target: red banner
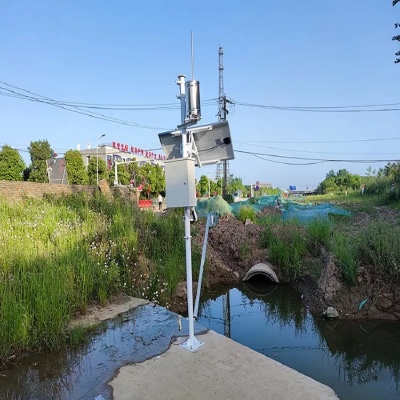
135,150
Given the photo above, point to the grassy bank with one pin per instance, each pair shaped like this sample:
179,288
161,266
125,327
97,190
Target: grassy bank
369,238
58,255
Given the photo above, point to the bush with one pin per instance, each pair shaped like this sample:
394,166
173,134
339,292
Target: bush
228,198
246,212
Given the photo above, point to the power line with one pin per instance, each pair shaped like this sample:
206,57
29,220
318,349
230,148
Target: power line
311,151
116,107
322,141
340,109
288,163
83,112
149,107
50,101
256,154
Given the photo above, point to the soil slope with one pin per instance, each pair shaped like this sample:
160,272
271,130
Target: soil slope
233,248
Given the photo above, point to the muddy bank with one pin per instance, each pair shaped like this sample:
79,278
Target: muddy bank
95,314
233,248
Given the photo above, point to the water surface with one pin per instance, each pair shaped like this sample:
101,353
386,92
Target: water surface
358,359
84,372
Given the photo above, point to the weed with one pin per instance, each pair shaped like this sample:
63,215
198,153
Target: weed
244,251
77,335
287,247
58,254
345,251
379,245
318,235
245,213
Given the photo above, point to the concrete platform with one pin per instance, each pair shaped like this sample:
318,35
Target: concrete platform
220,369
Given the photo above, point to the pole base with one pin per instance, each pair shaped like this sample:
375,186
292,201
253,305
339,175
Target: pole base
192,344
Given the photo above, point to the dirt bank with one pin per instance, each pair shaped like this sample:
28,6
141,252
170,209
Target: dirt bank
96,313
233,248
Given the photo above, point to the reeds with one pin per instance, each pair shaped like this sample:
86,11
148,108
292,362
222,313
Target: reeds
57,255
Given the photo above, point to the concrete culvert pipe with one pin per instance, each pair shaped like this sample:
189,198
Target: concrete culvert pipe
261,269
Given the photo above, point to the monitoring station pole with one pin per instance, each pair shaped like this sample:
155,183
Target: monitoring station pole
187,147
191,343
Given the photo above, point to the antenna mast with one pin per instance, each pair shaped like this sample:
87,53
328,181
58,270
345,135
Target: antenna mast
221,94
222,113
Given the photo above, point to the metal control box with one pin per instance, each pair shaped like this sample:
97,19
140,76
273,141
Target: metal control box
180,183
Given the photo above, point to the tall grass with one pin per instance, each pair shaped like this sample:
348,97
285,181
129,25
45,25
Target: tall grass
58,255
318,235
287,246
345,250
246,212
379,246
376,247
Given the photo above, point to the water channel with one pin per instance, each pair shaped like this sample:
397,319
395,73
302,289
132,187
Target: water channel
358,359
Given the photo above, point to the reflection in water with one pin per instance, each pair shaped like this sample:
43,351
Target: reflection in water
83,372
358,359
365,350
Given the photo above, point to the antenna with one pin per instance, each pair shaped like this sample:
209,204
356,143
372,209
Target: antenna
193,95
191,33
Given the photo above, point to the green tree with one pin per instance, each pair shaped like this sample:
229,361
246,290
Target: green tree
92,170
331,174
152,178
270,191
160,175
342,180
328,185
40,151
76,171
12,165
396,37
217,188
235,184
370,171
202,186
391,169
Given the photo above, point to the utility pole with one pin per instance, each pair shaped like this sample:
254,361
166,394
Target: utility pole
222,113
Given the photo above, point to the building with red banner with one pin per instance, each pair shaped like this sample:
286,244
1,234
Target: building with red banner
121,152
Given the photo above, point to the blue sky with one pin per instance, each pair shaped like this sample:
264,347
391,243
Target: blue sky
280,53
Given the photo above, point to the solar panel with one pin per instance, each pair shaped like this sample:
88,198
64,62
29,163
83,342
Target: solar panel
212,143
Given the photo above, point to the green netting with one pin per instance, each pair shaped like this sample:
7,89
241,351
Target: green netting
291,210
305,213
256,204
214,204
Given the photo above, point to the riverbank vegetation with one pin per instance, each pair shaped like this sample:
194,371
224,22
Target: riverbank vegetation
370,237
59,255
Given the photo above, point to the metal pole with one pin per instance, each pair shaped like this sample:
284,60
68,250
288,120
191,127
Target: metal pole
191,343
209,184
97,159
203,260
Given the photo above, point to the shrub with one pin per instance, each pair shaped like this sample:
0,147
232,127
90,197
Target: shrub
246,212
228,198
